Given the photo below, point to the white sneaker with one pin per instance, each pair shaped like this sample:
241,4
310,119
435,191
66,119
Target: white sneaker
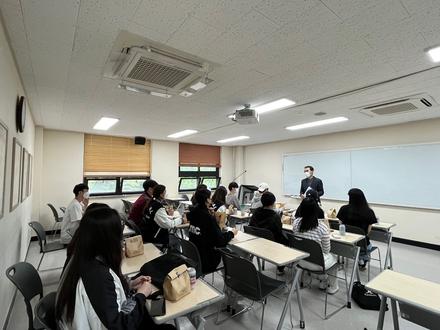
333,289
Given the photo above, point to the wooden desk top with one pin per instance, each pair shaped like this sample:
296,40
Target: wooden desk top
348,238
202,295
241,237
132,265
239,216
273,252
409,289
379,225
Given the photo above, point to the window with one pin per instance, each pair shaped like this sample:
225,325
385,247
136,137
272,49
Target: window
188,184
114,185
212,183
192,176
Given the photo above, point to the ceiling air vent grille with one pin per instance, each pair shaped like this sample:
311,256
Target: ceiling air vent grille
398,106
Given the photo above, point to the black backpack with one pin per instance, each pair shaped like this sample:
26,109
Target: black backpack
365,298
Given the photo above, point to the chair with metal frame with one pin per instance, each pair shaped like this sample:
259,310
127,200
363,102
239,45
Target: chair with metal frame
244,279
382,236
45,311
132,225
44,246
316,257
26,279
416,315
56,217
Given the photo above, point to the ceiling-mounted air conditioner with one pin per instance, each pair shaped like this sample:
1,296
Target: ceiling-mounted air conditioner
398,106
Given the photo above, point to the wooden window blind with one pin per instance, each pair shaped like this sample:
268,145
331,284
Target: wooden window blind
112,154
197,154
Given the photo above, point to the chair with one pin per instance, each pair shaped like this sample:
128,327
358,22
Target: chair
316,257
363,244
259,232
184,196
26,279
45,311
189,250
334,224
44,246
242,277
419,316
131,224
56,216
382,236
127,206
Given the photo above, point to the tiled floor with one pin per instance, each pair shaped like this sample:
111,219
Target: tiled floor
414,261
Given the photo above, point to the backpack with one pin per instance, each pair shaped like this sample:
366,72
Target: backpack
365,298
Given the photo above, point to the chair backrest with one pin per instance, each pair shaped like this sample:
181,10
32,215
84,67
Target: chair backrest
54,212
127,205
132,225
41,234
259,232
241,275
359,231
307,245
380,236
419,316
45,311
334,224
189,250
25,277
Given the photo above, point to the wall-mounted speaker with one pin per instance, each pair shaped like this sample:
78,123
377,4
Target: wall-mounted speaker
139,140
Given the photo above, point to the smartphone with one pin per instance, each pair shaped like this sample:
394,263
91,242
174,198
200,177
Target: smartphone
157,306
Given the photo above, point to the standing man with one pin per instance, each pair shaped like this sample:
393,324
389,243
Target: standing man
311,182
138,208
74,212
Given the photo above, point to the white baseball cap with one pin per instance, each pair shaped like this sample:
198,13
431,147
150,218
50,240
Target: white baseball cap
263,186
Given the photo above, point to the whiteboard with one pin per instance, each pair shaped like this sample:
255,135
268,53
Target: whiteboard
399,175
333,168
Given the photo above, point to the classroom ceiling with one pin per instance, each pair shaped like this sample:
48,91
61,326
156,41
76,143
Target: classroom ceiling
304,50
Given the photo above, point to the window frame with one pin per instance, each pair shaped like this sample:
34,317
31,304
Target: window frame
119,182
187,190
211,177
199,175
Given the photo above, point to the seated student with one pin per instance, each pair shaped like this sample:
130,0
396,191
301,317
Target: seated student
138,208
231,197
308,226
219,199
158,221
93,293
255,202
358,213
74,212
319,211
199,187
205,233
266,217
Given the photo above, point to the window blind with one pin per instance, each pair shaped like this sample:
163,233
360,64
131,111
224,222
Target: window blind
198,154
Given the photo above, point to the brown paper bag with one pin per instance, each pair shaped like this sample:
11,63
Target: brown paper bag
177,283
332,213
134,246
221,219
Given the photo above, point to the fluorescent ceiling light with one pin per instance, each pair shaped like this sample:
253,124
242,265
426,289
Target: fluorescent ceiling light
317,123
105,123
164,95
435,54
182,133
275,105
185,93
232,139
198,85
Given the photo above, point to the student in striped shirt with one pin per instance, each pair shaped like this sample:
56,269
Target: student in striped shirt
308,226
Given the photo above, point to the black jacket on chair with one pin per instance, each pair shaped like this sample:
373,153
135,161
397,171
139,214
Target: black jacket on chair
206,235
269,219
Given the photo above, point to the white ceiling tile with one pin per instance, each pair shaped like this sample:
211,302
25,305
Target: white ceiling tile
158,36
349,8
416,7
285,11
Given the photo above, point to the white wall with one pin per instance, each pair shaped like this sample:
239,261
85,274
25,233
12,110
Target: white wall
227,170
14,233
264,163
165,164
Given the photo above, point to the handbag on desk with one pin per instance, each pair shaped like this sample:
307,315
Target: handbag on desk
134,246
177,283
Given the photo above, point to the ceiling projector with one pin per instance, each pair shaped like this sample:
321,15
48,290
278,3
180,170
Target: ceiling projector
246,116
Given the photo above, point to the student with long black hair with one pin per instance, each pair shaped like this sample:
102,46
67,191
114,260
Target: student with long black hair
219,199
93,293
309,226
158,219
358,213
205,233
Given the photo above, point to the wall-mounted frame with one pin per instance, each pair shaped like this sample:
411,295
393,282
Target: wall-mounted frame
3,162
29,184
24,174
17,160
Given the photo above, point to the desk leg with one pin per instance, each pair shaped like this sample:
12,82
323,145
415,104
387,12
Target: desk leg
296,276
354,271
383,305
395,316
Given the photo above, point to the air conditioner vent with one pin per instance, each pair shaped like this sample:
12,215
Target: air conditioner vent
149,71
398,106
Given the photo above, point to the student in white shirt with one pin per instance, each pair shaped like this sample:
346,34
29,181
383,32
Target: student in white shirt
74,212
256,200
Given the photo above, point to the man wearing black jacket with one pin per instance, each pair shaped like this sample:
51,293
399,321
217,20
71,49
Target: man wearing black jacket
205,233
311,182
266,217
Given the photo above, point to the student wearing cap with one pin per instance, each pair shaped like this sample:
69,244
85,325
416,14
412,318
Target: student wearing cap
256,200
311,182
266,217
